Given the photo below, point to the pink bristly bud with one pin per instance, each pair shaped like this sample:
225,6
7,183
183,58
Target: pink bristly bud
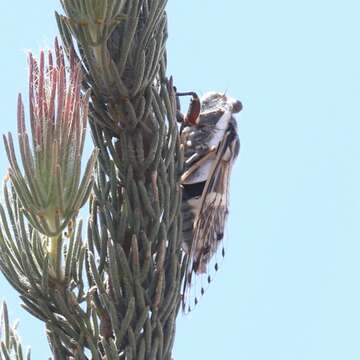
49,182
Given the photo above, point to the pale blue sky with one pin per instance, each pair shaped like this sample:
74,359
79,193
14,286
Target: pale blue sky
289,286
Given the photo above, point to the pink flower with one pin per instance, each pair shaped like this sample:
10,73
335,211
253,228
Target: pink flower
49,183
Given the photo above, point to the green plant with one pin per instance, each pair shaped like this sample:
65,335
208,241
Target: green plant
116,294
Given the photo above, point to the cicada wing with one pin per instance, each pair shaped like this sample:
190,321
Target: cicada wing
210,222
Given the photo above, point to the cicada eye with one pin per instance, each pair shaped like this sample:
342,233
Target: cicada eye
237,107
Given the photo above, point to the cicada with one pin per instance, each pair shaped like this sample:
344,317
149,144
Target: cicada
211,144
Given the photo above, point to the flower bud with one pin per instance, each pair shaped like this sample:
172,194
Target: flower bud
48,178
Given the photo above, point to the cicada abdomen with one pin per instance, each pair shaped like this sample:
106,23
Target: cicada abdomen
211,145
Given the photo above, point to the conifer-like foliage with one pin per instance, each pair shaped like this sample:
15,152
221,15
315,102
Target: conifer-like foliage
110,289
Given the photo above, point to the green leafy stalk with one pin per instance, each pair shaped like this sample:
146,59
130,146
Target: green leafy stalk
134,228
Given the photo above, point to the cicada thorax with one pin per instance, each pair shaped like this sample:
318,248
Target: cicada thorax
210,145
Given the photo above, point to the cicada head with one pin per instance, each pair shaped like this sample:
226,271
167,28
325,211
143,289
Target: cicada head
216,101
